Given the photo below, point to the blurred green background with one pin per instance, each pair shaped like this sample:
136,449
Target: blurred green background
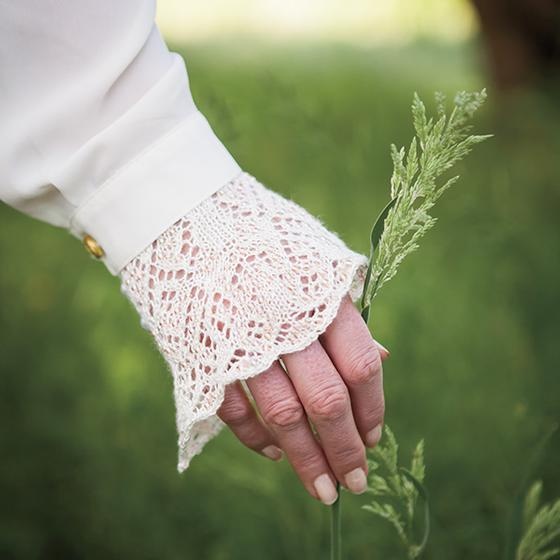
87,432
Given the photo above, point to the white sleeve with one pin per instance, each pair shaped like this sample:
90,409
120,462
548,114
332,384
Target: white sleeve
99,131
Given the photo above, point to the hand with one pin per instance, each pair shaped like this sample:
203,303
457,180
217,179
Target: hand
247,279
336,383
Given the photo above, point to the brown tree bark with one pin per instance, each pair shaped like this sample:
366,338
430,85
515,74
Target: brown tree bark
522,39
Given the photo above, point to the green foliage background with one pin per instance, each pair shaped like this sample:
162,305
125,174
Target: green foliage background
87,437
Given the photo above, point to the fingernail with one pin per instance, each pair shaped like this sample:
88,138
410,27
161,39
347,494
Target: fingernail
272,452
373,436
356,481
325,489
383,350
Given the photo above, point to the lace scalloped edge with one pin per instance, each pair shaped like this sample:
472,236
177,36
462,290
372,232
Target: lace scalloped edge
192,445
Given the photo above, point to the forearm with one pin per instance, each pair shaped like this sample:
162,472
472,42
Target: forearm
100,133
101,136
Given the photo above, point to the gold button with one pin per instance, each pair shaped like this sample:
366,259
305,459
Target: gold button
93,248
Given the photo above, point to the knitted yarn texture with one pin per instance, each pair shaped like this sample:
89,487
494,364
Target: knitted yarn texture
243,278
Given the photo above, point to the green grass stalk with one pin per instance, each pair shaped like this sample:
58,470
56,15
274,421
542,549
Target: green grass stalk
336,533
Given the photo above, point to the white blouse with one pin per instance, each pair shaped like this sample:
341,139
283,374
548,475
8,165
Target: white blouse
98,129
100,135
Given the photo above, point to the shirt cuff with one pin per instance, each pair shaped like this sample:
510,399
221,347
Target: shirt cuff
139,202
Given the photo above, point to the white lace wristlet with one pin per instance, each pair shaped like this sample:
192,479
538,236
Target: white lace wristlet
243,278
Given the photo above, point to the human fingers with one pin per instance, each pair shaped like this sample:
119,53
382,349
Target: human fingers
283,412
240,416
326,400
357,357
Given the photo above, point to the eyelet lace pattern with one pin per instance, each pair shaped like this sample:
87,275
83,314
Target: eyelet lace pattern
243,278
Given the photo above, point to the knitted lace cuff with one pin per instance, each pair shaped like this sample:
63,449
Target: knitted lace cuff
243,278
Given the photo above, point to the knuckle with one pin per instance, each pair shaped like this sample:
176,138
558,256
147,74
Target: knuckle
308,464
235,413
284,415
329,403
364,365
346,455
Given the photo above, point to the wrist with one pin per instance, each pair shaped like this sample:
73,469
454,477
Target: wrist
153,191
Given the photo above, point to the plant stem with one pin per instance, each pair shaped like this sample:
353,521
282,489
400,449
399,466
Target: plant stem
336,549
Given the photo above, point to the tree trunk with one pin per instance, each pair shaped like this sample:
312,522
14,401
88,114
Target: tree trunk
522,39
